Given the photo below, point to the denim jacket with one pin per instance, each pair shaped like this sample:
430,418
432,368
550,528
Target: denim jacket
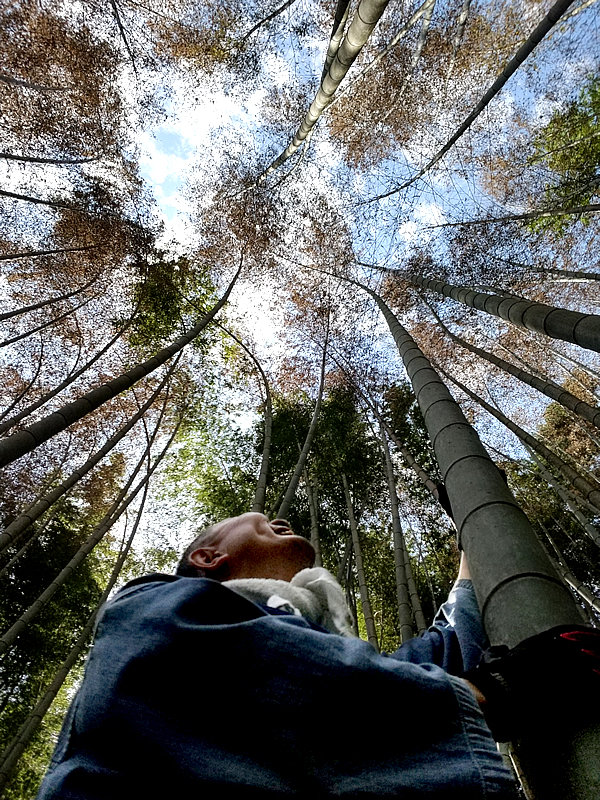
192,690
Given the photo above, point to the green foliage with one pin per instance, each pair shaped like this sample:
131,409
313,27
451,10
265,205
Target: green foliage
378,556
432,545
429,536
167,295
27,777
213,472
346,443
568,437
44,645
46,642
570,146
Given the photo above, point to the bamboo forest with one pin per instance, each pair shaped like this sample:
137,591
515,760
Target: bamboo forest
335,263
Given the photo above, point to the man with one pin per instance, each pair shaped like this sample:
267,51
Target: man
239,677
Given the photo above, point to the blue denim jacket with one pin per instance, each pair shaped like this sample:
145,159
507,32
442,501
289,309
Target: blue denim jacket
190,689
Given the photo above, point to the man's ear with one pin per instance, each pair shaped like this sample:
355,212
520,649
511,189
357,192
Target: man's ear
208,559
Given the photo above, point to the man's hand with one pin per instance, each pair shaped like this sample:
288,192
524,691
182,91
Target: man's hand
553,673
479,696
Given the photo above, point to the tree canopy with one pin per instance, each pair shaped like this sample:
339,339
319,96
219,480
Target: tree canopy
234,233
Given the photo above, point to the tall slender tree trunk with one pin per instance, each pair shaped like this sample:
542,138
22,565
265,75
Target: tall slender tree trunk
12,81
34,253
549,388
534,371
122,502
13,532
313,508
268,18
362,583
423,563
578,586
421,39
50,322
28,386
365,18
415,600
563,569
407,456
506,560
38,200
343,565
261,486
413,464
541,214
15,446
579,364
291,490
566,496
458,36
57,161
24,309
40,530
576,498
350,593
337,33
519,591
405,607
568,273
71,378
393,42
258,504
271,510
557,323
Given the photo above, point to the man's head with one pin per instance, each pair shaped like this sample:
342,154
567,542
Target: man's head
248,546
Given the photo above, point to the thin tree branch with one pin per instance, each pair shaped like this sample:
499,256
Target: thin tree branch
266,19
28,85
15,446
34,253
590,208
36,160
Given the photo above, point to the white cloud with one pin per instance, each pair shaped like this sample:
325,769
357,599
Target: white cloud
408,230
430,214
156,165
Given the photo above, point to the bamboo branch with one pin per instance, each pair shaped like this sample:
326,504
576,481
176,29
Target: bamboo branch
39,160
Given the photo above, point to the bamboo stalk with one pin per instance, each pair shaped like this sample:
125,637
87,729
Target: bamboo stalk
360,570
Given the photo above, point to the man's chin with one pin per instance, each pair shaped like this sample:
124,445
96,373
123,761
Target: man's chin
305,551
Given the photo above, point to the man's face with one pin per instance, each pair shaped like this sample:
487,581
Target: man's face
249,546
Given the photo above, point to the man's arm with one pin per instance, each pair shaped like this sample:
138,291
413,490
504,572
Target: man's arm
463,569
456,639
465,574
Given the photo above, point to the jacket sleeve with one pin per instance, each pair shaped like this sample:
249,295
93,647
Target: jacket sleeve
456,639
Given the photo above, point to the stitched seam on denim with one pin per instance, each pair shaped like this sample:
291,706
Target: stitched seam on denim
462,703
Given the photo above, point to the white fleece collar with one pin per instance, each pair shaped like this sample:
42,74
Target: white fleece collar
312,593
